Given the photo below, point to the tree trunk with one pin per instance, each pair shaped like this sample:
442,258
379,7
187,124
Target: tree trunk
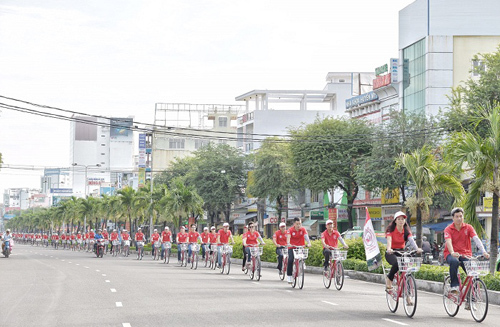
494,234
419,226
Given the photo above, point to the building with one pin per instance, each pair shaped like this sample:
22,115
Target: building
101,154
16,199
437,42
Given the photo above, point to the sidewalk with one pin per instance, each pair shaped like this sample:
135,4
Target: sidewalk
422,285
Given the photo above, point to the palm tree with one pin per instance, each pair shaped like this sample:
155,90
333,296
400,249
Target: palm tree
127,197
482,155
182,201
429,176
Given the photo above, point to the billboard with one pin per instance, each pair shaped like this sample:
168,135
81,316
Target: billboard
121,127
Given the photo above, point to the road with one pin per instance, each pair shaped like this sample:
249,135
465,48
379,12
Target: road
46,287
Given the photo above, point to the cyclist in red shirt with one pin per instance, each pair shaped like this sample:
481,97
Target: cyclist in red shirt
113,237
155,237
330,239
181,238
458,246
397,233
295,236
205,236
193,237
243,264
166,237
223,238
105,236
279,240
251,238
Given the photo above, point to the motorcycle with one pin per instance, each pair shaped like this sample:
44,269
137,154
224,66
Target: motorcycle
6,248
99,250
427,258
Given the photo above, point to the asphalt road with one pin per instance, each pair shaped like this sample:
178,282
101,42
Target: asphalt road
46,287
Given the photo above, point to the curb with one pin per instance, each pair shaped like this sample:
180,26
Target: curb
422,285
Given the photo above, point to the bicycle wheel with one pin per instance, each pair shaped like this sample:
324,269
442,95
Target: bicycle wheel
252,269
327,276
228,265
192,261
339,275
478,299
257,269
392,295
184,259
410,296
195,259
282,272
300,275
223,263
167,256
449,300
206,259
295,272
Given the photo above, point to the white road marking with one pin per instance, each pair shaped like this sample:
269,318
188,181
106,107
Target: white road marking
119,304
86,267
113,290
103,275
230,277
77,264
331,303
126,324
62,259
107,281
289,291
51,256
396,322
256,283
97,270
69,261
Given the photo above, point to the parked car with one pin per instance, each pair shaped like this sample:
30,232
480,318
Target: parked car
357,233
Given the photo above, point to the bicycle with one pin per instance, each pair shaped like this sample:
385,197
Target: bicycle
300,254
404,285
335,269
226,258
126,248
282,272
195,248
183,248
206,249
116,248
140,250
156,249
167,246
214,250
255,264
473,290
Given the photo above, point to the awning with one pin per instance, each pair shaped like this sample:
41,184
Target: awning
242,220
439,227
308,223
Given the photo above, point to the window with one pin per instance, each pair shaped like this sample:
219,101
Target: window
314,196
102,135
102,144
477,67
414,77
103,154
176,143
200,143
222,121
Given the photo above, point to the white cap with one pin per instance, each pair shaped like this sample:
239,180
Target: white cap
166,227
329,221
225,224
155,230
399,213
282,225
206,228
213,227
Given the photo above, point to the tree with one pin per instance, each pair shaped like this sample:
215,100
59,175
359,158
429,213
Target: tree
428,175
481,153
182,201
326,153
273,175
127,200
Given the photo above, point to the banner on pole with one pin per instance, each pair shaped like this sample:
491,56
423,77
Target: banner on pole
373,256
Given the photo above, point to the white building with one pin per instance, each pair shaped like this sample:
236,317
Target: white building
437,42
101,153
18,198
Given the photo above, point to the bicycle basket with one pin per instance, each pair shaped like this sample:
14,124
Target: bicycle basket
476,267
213,247
409,264
195,247
300,253
226,248
184,246
256,250
168,245
339,255
157,244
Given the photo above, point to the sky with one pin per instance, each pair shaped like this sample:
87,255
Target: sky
120,57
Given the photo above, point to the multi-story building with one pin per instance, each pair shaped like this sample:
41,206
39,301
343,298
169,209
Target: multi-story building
15,199
101,153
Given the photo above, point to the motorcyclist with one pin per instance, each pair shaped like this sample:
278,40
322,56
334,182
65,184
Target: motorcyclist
7,237
427,249
97,236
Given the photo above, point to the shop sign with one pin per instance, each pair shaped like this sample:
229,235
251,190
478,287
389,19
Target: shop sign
316,215
381,81
388,213
394,70
375,213
380,70
361,99
332,215
390,196
342,215
487,204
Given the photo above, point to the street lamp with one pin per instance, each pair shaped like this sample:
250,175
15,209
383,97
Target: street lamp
86,186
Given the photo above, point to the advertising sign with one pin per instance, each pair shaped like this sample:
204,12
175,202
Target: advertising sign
390,196
381,81
142,177
142,150
332,215
373,257
394,70
487,204
61,190
380,70
375,213
361,99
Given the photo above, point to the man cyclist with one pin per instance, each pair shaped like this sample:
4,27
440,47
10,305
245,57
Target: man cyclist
113,237
295,236
193,237
181,238
126,239
90,239
458,237
166,237
205,236
105,236
250,239
279,240
223,238
330,239
155,237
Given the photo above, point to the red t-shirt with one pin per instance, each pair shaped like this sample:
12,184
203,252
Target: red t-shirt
280,237
91,235
297,237
85,236
224,236
139,236
165,236
125,236
63,237
398,239
155,237
182,237
45,237
114,236
73,237
79,236
205,237
460,239
193,237
213,237
105,235
56,237
251,237
331,240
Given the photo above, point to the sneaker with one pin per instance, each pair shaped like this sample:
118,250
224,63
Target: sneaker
454,290
289,279
467,306
325,269
409,302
